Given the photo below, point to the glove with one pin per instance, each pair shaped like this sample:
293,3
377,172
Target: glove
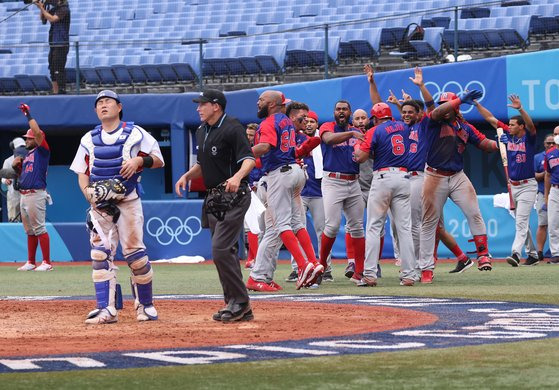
105,190
306,147
544,207
24,109
504,139
469,96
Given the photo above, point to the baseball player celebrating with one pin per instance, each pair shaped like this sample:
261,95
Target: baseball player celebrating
551,165
446,135
520,138
275,144
340,187
541,233
387,143
34,197
109,162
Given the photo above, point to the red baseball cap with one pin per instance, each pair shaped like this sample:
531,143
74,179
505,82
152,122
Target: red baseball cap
284,100
312,115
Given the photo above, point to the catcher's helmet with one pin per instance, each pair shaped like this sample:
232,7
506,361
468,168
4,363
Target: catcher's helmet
381,111
446,97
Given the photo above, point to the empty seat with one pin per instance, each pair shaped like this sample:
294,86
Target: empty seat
152,73
184,72
106,75
8,85
137,74
122,75
90,76
167,72
24,82
41,83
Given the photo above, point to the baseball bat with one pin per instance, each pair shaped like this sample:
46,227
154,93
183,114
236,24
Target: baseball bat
503,150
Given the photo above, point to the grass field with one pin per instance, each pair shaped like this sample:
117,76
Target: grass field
533,364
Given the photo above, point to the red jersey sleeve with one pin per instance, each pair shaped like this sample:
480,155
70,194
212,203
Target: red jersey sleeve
503,126
268,132
366,144
44,144
326,127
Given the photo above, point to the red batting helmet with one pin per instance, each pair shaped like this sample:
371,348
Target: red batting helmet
381,111
446,97
29,134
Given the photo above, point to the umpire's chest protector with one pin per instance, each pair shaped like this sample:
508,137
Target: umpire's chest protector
105,161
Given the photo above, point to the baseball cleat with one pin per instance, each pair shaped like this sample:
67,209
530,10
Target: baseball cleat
367,281
327,276
531,260
554,260
513,260
317,271
243,312
349,270
146,313
407,282
256,285
292,277
27,267
356,278
275,285
462,266
484,263
426,276
44,267
304,276
102,316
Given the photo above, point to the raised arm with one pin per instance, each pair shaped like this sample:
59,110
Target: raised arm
373,90
33,125
517,104
331,138
427,97
486,114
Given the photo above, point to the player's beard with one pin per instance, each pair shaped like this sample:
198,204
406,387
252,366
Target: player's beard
342,122
263,112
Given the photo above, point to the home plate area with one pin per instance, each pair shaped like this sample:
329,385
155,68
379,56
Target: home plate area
49,334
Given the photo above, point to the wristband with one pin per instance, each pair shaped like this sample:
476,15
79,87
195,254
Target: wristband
147,161
28,115
430,103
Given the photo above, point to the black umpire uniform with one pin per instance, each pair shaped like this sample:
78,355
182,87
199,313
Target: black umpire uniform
222,148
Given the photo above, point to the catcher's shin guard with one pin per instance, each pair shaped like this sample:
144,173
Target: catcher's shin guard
143,301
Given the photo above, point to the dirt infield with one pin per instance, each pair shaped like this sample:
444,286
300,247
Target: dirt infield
57,327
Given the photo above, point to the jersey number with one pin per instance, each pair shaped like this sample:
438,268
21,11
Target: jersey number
520,158
287,140
398,147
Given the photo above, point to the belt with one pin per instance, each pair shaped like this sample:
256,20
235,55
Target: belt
285,168
414,173
441,172
517,183
30,191
392,169
343,176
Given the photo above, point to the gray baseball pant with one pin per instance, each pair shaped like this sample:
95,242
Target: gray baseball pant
524,196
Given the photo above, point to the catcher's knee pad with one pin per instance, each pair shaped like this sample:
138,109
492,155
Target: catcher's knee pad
99,253
139,264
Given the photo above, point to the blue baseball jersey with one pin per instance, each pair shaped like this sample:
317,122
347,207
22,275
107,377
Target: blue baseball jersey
539,168
446,142
388,144
339,157
417,150
520,154
254,176
278,131
34,168
551,164
312,187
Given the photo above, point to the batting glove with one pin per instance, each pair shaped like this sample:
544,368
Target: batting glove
24,109
504,139
469,96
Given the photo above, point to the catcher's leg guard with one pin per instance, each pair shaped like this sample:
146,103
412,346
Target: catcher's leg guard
141,283
107,291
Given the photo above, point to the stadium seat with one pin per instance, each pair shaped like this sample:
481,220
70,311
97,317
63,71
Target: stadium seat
41,83
184,72
167,72
251,65
137,74
121,75
90,76
25,84
106,75
268,64
8,85
152,73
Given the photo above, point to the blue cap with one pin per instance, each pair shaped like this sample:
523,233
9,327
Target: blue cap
107,93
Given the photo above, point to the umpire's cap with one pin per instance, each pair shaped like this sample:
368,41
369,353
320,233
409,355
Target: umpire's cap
107,93
211,96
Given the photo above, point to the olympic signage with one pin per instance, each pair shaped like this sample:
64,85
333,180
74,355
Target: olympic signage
173,228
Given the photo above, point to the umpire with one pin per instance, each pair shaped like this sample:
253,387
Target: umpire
223,149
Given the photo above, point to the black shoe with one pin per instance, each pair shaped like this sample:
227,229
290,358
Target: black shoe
513,260
292,277
327,277
379,271
554,260
349,270
462,266
237,312
531,260
541,256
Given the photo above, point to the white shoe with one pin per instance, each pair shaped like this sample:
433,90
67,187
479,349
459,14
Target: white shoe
27,267
44,267
145,313
102,316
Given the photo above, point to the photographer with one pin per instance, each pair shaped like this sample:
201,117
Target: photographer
57,13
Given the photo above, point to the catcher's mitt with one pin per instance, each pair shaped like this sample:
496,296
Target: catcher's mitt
218,201
109,190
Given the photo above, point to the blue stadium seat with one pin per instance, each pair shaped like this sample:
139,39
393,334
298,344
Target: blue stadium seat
268,64
90,76
251,65
137,74
70,75
106,75
41,83
8,85
152,73
24,82
121,74
184,72
167,72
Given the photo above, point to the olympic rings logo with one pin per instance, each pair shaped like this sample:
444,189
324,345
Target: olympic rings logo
456,87
174,229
